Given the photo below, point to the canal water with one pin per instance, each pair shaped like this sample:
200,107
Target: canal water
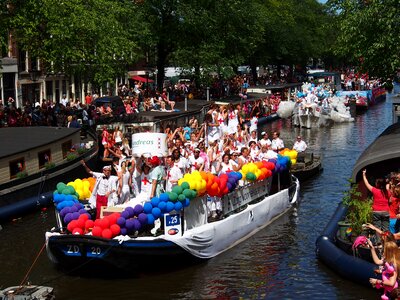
277,263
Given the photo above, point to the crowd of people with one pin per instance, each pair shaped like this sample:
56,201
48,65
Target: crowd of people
386,224
222,143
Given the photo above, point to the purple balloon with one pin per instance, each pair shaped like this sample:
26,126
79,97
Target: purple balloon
73,208
129,224
125,214
124,231
136,225
121,221
142,218
79,205
130,211
82,211
75,215
68,218
138,209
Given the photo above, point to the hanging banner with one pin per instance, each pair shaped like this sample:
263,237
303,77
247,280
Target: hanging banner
149,144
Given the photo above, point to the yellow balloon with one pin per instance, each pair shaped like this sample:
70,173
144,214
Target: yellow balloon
245,169
294,161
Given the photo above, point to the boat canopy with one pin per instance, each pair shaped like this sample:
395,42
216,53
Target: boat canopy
384,153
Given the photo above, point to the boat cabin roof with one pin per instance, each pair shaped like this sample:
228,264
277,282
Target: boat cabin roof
21,139
382,156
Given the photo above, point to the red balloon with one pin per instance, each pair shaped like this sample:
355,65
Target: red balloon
72,225
97,231
97,222
84,217
80,223
107,234
89,224
115,229
104,223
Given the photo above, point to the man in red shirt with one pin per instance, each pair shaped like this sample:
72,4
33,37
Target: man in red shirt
88,99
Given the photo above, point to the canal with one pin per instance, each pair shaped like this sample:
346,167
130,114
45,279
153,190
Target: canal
277,263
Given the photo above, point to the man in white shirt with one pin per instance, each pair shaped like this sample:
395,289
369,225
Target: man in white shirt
276,143
105,191
196,162
264,141
299,145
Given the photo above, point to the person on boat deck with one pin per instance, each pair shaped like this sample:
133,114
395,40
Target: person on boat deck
180,161
380,204
173,174
391,255
195,161
105,190
394,209
254,150
157,176
277,143
299,145
253,136
126,181
264,139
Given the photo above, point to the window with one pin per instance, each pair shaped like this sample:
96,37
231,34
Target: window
66,148
17,167
44,157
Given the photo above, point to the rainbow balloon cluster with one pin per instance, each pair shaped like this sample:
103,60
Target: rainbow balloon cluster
292,154
258,170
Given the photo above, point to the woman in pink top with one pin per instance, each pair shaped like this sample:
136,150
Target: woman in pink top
380,205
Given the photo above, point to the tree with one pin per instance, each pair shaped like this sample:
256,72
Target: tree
87,38
369,34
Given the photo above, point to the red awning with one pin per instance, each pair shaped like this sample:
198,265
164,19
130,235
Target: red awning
142,79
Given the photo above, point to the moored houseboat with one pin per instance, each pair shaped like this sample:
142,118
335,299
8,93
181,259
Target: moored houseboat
33,160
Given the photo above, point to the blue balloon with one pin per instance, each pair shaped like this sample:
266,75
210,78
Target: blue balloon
186,203
178,206
170,207
164,197
162,206
150,219
147,207
156,212
154,201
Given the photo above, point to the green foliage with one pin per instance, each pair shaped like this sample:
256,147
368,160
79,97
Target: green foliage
359,210
49,165
71,156
369,34
22,174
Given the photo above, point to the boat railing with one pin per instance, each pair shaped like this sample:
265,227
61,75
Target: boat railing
244,195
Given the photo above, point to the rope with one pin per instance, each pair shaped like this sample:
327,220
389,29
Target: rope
30,269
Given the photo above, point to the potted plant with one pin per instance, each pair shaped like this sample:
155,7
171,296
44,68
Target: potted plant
49,165
359,211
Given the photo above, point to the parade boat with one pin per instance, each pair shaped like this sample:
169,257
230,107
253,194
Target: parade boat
188,235
307,166
332,247
33,160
